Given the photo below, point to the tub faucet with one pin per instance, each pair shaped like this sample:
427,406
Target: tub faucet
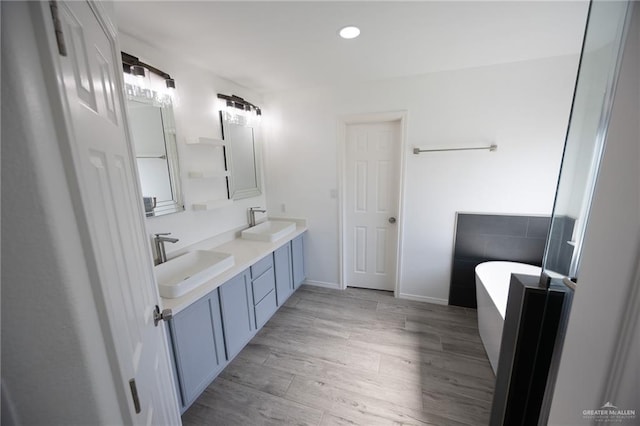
159,241
252,215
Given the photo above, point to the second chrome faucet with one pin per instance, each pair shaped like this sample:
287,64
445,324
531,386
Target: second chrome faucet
252,214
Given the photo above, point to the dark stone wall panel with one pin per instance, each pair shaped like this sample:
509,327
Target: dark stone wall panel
486,237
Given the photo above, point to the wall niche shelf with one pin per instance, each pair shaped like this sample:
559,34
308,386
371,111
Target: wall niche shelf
205,141
208,179
212,204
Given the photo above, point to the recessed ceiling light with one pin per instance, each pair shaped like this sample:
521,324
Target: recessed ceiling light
350,32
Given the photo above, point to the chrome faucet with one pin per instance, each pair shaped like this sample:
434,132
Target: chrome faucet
252,215
159,241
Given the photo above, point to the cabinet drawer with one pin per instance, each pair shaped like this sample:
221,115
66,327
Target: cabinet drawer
261,266
263,285
265,309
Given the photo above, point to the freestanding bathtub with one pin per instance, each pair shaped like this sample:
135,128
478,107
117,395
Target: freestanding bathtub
492,291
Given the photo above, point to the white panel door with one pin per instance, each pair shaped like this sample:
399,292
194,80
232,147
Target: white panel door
371,195
110,210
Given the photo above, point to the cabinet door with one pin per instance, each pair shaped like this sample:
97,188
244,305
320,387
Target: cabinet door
297,261
283,271
238,317
198,346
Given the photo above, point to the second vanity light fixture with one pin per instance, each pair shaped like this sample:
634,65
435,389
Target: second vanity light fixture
237,110
233,101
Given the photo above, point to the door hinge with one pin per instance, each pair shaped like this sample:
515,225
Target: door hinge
158,316
57,26
134,395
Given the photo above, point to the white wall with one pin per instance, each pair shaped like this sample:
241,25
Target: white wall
595,368
196,115
523,107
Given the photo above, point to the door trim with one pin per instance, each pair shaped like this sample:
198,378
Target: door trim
368,118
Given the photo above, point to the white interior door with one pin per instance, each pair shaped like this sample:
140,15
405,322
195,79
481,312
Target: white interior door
371,195
110,209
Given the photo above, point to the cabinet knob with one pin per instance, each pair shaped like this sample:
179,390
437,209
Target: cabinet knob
392,219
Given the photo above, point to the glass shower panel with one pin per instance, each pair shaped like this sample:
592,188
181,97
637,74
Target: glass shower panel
586,135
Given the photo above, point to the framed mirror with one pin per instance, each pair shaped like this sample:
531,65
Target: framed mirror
242,156
153,131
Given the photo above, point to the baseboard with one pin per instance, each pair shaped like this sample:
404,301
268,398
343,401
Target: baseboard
417,298
334,286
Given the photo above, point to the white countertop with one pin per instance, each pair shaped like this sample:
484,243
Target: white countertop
245,253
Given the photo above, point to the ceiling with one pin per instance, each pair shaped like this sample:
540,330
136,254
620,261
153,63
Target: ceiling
272,46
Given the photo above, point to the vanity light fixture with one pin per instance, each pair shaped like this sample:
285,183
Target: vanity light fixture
238,111
138,84
133,65
349,32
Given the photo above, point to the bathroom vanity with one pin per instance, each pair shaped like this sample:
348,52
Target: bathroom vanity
211,324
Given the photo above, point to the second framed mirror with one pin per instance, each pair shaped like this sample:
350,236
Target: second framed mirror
242,155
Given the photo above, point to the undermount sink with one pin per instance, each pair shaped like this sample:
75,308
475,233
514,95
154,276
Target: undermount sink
268,231
182,274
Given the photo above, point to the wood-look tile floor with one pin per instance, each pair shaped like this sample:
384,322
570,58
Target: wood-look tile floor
357,357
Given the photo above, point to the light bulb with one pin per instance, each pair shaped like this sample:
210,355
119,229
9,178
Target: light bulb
349,32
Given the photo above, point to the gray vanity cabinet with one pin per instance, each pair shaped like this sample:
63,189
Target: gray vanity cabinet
209,333
236,303
297,260
283,273
198,346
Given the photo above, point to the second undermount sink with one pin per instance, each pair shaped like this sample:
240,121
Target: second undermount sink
269,231
182,274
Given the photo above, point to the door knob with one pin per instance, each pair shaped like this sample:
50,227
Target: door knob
158,316
392,219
